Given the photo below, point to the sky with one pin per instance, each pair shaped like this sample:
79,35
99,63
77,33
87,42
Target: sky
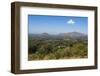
38,24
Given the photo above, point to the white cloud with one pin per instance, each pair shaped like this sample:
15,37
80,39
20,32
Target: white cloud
71,21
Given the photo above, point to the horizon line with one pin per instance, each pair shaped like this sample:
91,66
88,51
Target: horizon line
59,33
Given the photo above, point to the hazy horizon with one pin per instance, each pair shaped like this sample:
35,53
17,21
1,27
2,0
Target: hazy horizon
56,33
39,24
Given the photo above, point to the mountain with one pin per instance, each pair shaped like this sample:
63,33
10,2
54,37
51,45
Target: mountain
45,33
73,34
69,35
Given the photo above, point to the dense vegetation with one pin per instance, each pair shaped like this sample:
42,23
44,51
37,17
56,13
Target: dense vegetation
56,48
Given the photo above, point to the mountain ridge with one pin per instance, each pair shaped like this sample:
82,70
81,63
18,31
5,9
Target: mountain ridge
69,35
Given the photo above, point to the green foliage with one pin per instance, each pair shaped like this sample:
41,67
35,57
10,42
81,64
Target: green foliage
56,49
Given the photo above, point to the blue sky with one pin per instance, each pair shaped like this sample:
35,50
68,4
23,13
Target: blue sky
57,24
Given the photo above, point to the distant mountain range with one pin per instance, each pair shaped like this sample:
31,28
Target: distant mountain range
69,35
